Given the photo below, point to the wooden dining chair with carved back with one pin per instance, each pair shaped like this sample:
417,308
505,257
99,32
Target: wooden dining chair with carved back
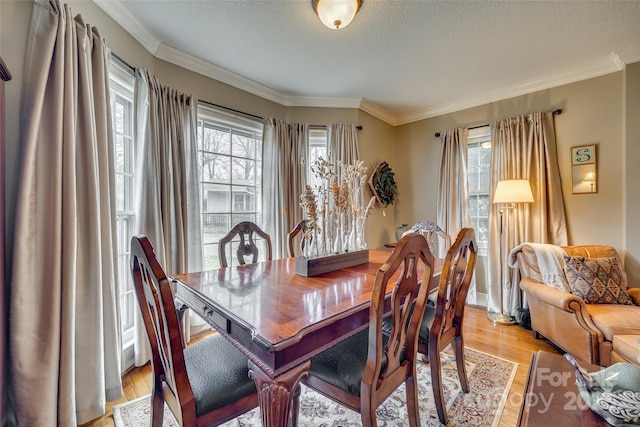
442,324
362,371
204,384
247,246
299,229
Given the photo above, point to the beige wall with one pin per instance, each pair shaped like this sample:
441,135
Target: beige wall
592,114
631,157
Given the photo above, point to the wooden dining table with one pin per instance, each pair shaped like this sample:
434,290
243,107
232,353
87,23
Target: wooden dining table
280,319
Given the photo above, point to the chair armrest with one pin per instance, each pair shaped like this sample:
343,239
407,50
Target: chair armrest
560,299
634,293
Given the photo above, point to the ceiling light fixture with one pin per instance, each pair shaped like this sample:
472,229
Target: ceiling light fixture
336,14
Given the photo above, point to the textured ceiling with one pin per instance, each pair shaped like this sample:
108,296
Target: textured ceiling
407,59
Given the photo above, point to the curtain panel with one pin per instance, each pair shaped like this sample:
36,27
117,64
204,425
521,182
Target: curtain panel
453,212
167,187
342,144
283,179
64,336
523,147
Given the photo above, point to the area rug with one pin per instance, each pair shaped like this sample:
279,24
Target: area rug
489,377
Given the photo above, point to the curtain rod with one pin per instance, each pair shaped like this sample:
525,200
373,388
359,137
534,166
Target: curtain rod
122,61
555,113
258,117
230,109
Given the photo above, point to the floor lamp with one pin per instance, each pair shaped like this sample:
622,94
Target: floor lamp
509,192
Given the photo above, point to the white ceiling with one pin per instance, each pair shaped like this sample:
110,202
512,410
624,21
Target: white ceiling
401,60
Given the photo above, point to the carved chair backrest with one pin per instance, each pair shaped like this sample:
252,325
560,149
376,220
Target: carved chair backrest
455,280
246,230
161,323
408,304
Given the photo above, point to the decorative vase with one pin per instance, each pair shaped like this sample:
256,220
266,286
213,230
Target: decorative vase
400,230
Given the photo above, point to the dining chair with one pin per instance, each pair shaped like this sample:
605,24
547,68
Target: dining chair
442,324
300,228
205,384
438,239
247,245
362,371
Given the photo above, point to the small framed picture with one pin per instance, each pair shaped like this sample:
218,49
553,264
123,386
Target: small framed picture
584,177
583,155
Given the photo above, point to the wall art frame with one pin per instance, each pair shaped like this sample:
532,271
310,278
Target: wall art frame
584,170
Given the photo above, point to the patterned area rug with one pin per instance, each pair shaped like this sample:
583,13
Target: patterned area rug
490,379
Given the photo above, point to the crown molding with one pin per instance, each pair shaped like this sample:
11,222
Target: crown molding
377,111
190,62
628,56
596,69
121,15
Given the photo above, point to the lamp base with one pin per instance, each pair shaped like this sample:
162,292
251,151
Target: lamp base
502,319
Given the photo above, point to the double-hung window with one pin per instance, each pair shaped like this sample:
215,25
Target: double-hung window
121,86
479,163
317,149
230,171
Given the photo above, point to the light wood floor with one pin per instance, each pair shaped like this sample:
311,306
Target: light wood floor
508,342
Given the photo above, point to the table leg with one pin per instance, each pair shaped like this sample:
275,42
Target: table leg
276,394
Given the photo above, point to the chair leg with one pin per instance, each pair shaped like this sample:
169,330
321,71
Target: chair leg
458,348
157,406
368,411
436,382
413,409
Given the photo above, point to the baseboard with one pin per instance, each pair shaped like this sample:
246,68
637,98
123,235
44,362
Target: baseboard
482,300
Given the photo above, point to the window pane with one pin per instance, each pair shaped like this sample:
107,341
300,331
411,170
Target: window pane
215,168
243,146
216,198
215,140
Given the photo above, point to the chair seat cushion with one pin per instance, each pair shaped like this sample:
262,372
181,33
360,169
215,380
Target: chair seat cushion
628,346
427,321
218,373
343,364
615,319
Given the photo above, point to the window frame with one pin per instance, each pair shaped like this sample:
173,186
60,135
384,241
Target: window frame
221,120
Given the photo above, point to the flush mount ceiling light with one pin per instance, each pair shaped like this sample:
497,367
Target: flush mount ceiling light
336,14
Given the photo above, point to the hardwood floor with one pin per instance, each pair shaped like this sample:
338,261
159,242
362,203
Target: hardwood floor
508,342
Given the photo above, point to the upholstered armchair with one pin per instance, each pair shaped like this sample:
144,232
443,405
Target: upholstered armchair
586,330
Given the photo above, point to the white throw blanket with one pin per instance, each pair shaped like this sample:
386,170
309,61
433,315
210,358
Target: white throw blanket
550,262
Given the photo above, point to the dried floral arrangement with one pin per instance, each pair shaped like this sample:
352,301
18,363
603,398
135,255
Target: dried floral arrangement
335,209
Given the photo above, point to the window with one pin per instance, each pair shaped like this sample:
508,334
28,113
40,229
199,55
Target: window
121,86
317,148
230,170
479,184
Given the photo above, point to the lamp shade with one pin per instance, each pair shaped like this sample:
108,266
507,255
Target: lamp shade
590,177
513,191
336,14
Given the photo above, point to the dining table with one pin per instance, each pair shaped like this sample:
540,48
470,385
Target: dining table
279,319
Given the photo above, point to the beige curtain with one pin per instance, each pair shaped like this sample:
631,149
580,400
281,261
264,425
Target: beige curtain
343,144
167,187
523,147
64,336
452,206
283,178
453,212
